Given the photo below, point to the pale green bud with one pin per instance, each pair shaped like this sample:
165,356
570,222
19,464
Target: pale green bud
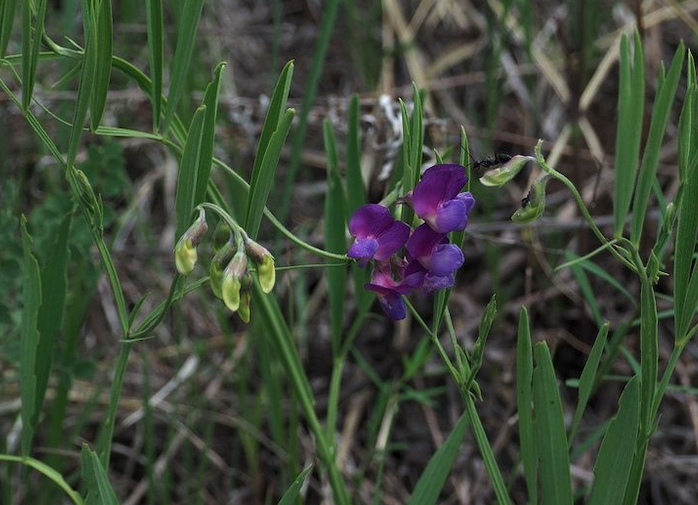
232,277
244,310
265,264
501,175
215,271
533,205
185,250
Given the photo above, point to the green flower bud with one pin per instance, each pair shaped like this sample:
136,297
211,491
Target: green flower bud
215,271
232,277
265,264
185,250
244,310
505,173
533,204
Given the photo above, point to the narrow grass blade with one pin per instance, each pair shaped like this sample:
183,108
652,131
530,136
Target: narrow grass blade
208,134
31,46
416,135
335,236
408,176
356,193
55,287
277,105
289,497
586,380
649,350
47,472
479,345
650,159
585,288
549,426
433,478
29,339
188,172
7,18
87,79
327,23
630,114
179,73
105,50
156,55
524,400
99,490
602,274
614,461
265,175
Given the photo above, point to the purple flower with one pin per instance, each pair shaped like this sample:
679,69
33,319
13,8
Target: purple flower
435,255
437,200
377,234
389,292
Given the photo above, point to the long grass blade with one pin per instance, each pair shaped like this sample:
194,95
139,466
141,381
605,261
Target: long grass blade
188,172
649,351
586,380
551,438
156,55
99,490
289,497
179,73
47,472
7,18
431,482
105,50
585,288
524,401
31,46
265,177
356,193
650,159
615,457
29,339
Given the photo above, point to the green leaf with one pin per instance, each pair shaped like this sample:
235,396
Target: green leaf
585,287
188,172
31,45
630,118
431,482
416,136
335,236
105,49
289,497
524,400
208,135
650,160
479,345
356,193
7,18
99,490
47,472
587,379
54,282
179,73
259,190
549,427
156,55
649,351
612,467
29,339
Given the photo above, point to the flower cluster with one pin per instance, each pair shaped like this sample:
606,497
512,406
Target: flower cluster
229,276
430,261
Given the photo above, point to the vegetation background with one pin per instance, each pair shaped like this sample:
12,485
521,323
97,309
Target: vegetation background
222,424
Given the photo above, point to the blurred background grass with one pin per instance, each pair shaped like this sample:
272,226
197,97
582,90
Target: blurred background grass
221,426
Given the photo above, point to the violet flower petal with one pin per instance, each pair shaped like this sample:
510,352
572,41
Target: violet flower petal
363,249
439,183
451,216
421,243
445,259
392,239
370,220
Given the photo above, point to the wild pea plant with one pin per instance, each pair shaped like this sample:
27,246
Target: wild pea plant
412,241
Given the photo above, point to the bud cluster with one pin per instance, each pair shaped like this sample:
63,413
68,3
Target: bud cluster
229,276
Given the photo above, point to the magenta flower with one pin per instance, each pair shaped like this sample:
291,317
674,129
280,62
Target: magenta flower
435,255
377,234
389,292
437,200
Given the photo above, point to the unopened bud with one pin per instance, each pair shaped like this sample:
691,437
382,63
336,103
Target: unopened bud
533,205
501,175
265,264
244,310
232,277
215,271
185,250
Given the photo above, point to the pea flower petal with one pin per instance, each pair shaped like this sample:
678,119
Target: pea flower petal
433,252
378,235
389,292
437,198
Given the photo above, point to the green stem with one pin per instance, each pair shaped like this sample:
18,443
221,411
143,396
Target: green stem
48,472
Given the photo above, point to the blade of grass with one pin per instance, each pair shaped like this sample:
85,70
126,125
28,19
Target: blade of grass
416,137
99,490
630,114
105,50
289,497
188,172
524,400
650,159
156,55
326,27
7,18
356,193
31,46
649,350
29,339
265,176
613,463
551,438
47,472
431,482
179,72
586,380
335,237
585,288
